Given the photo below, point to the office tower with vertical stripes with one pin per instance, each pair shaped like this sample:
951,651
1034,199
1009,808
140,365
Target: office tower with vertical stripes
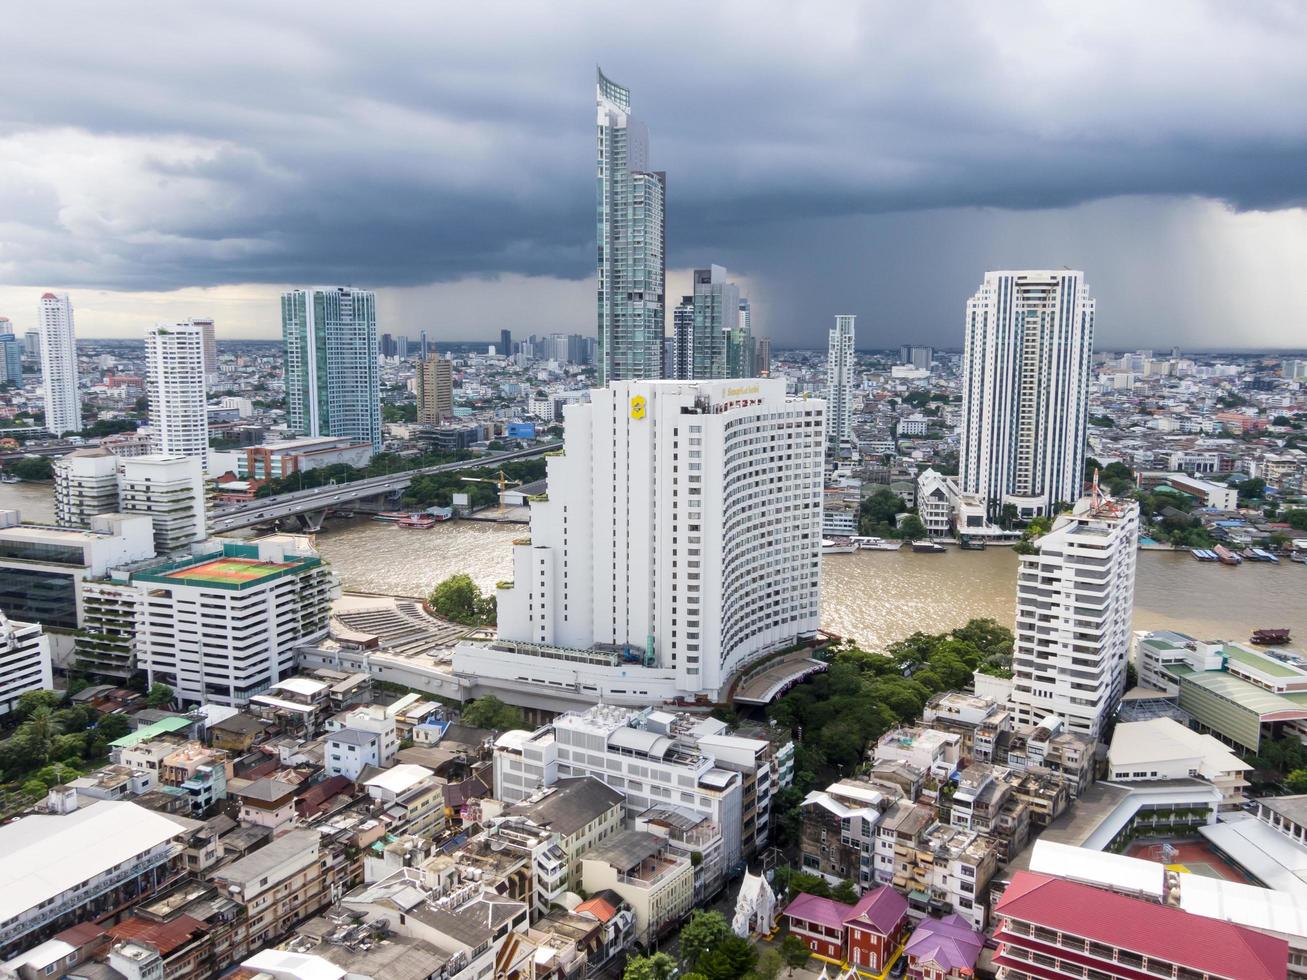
333,382
63,405
630,231
1025,391
840,364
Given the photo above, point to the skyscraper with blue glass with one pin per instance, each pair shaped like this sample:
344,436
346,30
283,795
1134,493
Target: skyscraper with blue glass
333,383
630,239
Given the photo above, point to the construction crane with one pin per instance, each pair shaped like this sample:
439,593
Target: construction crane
503,482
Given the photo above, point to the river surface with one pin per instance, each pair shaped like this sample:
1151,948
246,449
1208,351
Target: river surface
875,597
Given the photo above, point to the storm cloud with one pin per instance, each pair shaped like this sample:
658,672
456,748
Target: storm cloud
856,157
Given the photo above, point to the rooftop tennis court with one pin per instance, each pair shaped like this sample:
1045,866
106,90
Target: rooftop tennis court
229,571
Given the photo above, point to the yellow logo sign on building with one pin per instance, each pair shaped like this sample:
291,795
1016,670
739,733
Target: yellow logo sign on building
637,407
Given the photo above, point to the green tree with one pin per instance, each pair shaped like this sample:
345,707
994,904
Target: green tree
703,931
1008,515
1296,519
845,892
730,959
1297,781
459,600
911,529
489,712
29,701
159,696
32,468
1252,489
659,966
770,964
113,727
876,513
794,951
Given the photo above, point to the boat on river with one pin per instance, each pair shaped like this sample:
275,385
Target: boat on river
1271,637
871,543
838,546
1226,556
417,521
927,548
1204,554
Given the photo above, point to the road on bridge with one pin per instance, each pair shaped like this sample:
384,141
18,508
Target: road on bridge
320,498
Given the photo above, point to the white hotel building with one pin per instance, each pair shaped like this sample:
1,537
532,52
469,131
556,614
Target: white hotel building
1075,600
679,542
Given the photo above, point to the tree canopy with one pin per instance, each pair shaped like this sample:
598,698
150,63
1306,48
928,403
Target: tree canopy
460,600
490,712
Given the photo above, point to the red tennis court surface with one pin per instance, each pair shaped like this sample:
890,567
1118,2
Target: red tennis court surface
227,571
1196,857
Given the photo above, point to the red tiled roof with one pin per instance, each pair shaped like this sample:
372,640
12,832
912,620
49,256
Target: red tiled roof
163,936
597,907
882,908
1168,934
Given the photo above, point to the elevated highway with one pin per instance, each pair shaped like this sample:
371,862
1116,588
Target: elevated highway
320,499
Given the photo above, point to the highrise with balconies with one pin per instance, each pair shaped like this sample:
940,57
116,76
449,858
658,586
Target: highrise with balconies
63,405
1075,600
1025,390
175,383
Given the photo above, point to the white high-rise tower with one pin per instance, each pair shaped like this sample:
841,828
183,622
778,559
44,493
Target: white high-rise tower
839,383
680,541
1075,601
174,381
63,405
1025,390
630,230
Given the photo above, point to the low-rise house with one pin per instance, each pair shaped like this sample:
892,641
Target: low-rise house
865,936
943,949
838,837
288,880
638,866
410,798
267,802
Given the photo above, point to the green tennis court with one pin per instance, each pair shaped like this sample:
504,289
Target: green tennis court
228,571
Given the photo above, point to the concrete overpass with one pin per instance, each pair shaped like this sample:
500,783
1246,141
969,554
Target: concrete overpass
313,503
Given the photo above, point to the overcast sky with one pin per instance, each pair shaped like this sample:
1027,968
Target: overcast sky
170,160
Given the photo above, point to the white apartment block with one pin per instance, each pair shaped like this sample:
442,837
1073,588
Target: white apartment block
63,405
937,499
649,756
1075,599
174,382
24,661
170,491
85,484
223,626
840,363
681,543
1029,341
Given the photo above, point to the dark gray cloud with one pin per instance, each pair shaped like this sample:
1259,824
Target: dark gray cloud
878,154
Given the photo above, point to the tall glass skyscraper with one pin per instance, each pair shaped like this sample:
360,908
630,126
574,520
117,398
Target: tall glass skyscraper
630,239
333,384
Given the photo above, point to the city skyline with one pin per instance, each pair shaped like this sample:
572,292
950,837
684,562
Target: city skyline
825,184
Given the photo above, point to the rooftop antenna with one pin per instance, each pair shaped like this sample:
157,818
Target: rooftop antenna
1095,493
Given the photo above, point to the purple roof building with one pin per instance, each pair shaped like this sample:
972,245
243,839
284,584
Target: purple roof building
946,947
